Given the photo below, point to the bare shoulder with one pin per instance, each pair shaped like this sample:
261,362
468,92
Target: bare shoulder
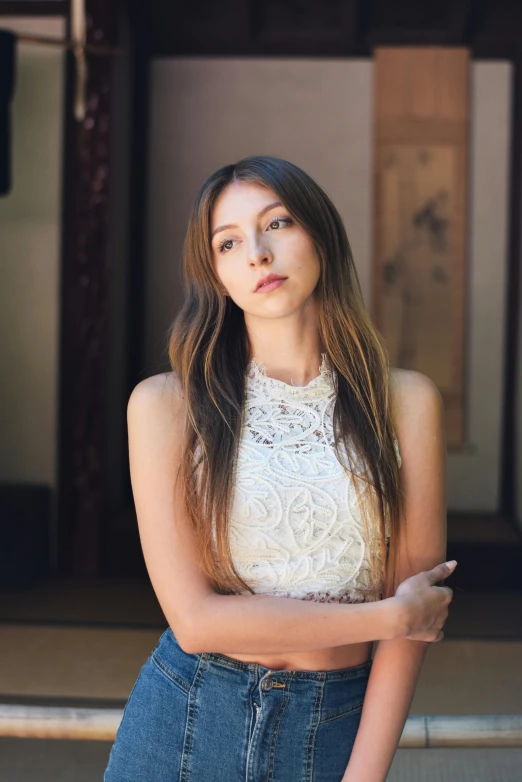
157,385
162,392
412,393
418,415
156,425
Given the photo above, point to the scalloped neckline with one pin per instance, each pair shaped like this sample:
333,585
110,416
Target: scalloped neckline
259,368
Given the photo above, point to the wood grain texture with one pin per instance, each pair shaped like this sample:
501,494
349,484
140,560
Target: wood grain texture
419,303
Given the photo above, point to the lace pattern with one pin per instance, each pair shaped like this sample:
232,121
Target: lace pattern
295,527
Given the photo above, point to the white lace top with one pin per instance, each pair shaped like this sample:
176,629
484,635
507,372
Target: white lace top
295,528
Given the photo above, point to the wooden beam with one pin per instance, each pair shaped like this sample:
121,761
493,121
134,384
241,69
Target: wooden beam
85,307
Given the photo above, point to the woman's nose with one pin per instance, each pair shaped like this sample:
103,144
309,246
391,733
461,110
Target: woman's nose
260,252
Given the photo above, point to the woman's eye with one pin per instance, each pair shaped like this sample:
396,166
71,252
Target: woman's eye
221,246
280,220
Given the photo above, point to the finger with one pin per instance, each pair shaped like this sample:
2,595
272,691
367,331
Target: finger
448,591
442,571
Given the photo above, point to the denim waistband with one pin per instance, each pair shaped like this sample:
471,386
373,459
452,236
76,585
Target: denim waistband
320,676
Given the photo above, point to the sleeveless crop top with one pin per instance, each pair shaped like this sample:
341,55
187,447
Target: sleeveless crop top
295,528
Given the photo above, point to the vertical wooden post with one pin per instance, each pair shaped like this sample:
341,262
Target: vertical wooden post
84,306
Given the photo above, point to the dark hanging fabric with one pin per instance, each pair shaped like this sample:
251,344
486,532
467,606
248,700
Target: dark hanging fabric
7,84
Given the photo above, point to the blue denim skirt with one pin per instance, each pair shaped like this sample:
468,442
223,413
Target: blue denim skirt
209,718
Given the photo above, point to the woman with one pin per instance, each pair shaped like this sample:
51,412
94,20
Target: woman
283,528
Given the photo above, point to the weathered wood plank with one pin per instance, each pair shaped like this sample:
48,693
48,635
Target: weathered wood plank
420,216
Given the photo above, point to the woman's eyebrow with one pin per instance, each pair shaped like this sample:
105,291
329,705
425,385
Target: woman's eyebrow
260,214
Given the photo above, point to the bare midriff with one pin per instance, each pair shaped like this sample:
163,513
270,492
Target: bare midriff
317,660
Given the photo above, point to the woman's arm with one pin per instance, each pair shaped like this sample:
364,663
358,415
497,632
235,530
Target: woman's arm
419,421
274,625
201,619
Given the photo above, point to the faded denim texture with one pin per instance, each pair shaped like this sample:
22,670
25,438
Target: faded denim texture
209,718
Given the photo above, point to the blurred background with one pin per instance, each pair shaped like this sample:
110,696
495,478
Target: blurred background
112,114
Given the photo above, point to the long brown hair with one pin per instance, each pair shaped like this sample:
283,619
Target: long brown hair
209,349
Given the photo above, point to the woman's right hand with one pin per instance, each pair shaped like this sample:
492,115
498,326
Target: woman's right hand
424,606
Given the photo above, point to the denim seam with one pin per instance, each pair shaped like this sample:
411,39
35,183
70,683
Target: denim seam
253,712
341,713
255,739
275,731
253,716
191,720
170,674
310,744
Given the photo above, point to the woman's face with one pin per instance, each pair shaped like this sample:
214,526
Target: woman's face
261,238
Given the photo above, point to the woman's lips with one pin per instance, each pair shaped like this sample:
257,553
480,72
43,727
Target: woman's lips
269,286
